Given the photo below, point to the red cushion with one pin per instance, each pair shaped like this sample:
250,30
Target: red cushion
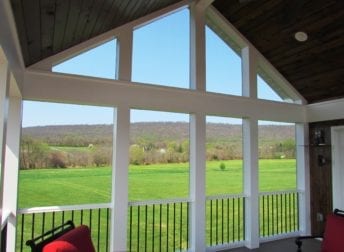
334,234
77,240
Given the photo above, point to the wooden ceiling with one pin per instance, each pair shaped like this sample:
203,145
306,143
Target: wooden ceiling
314,67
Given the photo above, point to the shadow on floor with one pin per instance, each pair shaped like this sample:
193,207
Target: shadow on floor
286,245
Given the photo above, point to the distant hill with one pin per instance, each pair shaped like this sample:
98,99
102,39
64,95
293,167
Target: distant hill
83,135
150,142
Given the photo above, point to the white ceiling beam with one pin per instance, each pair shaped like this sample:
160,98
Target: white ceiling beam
53,87
325,111
49,62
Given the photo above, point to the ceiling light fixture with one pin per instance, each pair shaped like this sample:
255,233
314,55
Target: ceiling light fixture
301,36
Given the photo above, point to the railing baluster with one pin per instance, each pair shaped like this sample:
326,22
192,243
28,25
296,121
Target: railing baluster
130,227
233,219
272,214
211,222
82,217
297,211
181,226
138,228
168,216
107,228
63,217
228,220
222,220
238,200
146,225
243,218
174,226
160,224
217,224
187,225
22,233
43,223
33,227
153,224
263,215
98,224
90,219
289,198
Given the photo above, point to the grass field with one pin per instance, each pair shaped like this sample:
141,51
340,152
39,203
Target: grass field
46,187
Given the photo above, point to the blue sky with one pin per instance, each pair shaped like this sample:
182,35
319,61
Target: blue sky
160,56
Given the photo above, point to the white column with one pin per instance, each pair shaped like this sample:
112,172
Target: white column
120,179
4,89
197,182
197,131
124,55
249,72
12,168
121,150
303,179
251,185
250,151
197,48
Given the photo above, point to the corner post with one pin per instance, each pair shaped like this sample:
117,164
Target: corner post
303,177
11,171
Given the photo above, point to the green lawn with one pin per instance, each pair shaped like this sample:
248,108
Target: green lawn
45,187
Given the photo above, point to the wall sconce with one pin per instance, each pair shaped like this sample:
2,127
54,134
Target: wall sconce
319,137
321,160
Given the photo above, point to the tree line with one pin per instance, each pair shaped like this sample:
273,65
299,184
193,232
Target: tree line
150,143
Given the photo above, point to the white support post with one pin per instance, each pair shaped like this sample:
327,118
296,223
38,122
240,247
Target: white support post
197,182
250,151
249,72
124,55
12,169
303,177
197,131
118,241
251,185
197,48
121,150
4,91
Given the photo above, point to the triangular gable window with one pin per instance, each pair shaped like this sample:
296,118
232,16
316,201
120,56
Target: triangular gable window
98,62
161,51
223,66
265,91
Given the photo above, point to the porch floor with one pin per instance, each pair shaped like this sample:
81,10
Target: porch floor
286,245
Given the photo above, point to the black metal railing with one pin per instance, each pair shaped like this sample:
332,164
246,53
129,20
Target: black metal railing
225,219
279,213
36,221
158,226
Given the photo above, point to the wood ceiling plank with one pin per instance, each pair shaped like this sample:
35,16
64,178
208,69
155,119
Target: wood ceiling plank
83,20
47,16
116,8
19,18
72,21
93,18
62,9
120,17
32,22
103,13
